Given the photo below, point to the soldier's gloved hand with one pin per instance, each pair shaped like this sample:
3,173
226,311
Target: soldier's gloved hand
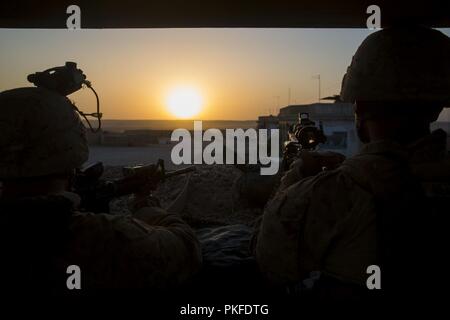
309,164
138,201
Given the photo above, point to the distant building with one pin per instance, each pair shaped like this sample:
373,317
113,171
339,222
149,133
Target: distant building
141,137
336,118
114,139
267,122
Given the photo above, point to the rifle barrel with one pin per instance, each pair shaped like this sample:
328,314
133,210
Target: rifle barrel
179,171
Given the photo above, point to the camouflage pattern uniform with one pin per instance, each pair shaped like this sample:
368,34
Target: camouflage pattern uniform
151,249
327,222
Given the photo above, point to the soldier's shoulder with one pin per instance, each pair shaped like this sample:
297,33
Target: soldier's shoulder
324,182
107,227
328,187
90,218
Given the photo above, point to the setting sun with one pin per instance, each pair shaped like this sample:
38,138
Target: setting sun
184,102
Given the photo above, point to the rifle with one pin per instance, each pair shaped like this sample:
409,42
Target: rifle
96,193
304,135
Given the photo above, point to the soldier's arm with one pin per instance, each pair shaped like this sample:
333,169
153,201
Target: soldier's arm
171,239
277,247
154,250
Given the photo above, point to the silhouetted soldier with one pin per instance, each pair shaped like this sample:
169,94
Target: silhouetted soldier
42,141
385,206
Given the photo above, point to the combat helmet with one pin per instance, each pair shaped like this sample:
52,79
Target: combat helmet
400,64
40,134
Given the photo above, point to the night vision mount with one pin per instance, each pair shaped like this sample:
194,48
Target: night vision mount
66,80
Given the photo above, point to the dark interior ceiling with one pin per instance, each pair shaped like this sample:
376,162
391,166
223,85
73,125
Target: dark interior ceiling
219,13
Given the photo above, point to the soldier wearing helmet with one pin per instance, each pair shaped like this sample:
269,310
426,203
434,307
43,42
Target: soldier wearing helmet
385,205
42,142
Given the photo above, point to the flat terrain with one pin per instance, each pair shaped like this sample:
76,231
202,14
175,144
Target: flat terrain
124,156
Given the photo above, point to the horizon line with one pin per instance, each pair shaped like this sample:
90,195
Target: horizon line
173,120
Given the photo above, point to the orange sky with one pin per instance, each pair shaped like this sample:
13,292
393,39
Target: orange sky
239,72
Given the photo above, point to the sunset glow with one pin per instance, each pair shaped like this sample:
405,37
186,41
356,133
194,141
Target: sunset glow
184,102
233,74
